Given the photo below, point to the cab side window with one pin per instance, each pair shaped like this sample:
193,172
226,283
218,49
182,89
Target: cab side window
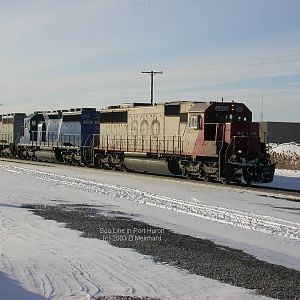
195,122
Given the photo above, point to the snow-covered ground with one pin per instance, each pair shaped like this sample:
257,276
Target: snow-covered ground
285,148
40,259
286,155
287,179
289,154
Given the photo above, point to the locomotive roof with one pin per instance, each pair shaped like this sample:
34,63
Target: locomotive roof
13,114
128,105
203,106
178,102
65,110
144,104
200,107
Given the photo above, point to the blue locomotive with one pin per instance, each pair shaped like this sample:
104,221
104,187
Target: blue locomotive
62,135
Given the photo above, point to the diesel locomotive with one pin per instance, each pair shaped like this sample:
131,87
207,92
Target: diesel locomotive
202,140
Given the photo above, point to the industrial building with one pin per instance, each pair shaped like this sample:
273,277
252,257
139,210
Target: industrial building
280,132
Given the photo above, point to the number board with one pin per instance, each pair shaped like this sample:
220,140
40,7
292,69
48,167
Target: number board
221,108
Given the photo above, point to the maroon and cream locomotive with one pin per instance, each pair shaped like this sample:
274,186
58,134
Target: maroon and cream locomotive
204,140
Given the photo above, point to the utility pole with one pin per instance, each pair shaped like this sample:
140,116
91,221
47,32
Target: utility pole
152,73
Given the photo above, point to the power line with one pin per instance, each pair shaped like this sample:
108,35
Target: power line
253,62
248,64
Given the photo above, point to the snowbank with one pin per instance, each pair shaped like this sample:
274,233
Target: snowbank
285,148
287,155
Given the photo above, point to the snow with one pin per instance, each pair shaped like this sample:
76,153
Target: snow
285,148
57,264
10,289
289,179
286,179
288,155
288,173
41,259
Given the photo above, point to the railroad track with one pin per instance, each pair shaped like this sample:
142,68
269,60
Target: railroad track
280,193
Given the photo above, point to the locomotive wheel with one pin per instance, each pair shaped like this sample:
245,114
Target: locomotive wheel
207,179
115,168
225,181
124,168
184,173
189,176
249,174
98,164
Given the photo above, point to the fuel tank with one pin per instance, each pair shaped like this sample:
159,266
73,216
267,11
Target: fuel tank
48,155
147,165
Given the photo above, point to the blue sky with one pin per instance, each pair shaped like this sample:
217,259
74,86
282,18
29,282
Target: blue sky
73,53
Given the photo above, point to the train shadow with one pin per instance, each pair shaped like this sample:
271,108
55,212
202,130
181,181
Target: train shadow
285,182
10,289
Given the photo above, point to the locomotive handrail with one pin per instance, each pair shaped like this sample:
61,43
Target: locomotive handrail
166,144
233,139
223,132
4,138
214,123
50,138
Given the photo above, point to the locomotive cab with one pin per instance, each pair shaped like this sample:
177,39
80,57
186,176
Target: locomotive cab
228,143
239,146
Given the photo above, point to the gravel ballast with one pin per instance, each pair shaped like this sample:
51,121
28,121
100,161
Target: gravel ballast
198,256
